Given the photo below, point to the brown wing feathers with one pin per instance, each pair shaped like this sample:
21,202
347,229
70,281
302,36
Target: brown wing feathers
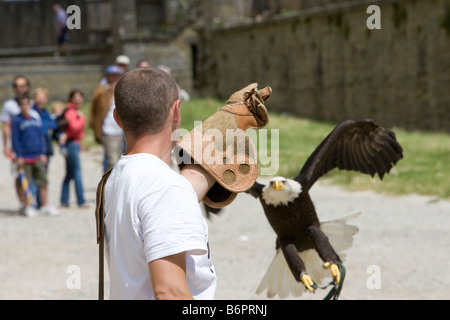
353,145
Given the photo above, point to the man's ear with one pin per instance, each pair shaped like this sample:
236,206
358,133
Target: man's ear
176,111
117,119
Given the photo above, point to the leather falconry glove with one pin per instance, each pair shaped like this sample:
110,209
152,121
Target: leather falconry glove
220,146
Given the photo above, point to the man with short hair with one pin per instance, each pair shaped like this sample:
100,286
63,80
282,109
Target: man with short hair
10,109
156,237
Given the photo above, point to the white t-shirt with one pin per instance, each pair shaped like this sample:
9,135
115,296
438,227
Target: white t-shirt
11,109
152,212
110,126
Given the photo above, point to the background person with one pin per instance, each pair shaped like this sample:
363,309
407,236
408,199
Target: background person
183,94
40,97
101,120
10,109
122,61
21,85
62,32
74,131
29,148
57,109
143,63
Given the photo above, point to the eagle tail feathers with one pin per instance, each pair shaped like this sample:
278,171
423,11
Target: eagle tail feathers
278,279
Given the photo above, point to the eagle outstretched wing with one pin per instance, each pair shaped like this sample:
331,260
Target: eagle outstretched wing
361,145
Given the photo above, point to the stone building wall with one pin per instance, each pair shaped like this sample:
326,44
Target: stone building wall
326,64
27,24
175,54
58,76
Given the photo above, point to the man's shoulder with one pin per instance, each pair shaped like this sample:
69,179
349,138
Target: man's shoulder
150,170
141,167
10,108
177,180
101,96
10,102
102,89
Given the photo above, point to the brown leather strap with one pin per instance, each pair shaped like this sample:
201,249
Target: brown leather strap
100,222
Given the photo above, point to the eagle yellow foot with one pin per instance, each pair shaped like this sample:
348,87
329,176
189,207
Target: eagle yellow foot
308,282
334,269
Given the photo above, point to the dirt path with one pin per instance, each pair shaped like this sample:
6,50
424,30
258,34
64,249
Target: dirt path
403,242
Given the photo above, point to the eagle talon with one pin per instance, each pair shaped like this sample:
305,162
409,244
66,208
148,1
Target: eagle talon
334,269
308,282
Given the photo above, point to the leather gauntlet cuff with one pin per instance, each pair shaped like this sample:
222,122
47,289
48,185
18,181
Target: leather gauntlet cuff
220,146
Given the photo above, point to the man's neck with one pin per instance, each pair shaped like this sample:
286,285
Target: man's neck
159,145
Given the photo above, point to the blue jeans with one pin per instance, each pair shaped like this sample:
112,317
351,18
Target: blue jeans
73,171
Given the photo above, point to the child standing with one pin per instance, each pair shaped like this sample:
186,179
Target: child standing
40,97
28,145
58,109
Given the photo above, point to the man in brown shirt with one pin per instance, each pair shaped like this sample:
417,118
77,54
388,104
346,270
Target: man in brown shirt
106,131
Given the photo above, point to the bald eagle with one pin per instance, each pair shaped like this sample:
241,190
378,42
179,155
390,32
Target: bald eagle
303,242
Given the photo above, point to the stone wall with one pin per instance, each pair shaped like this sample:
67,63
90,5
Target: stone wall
175,54
59,76
324,63
31,23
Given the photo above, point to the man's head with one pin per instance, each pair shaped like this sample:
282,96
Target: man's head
143,99
123,62
21,85
56,7
113,74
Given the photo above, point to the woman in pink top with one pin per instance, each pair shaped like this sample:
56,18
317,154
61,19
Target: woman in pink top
74,131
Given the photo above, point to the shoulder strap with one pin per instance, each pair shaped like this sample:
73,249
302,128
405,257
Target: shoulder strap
100,222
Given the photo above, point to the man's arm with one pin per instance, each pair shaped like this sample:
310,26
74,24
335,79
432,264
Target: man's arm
168,277
6,132
201,180
14,133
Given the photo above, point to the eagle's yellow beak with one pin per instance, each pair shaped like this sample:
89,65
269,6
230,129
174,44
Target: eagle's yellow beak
278,186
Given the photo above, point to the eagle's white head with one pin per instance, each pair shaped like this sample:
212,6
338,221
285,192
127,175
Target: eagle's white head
281,191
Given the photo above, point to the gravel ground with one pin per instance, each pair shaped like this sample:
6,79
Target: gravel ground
403,242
